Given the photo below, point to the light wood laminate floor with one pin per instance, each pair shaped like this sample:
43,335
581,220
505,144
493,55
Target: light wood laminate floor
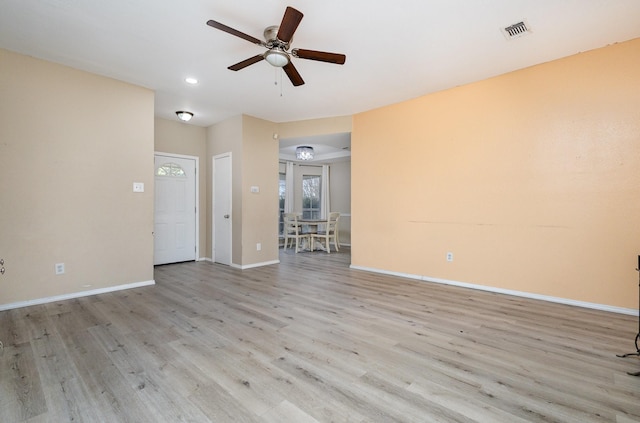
310,340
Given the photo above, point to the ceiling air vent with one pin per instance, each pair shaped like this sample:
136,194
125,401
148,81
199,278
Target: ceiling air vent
516,30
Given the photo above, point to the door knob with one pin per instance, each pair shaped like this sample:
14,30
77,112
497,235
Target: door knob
226,216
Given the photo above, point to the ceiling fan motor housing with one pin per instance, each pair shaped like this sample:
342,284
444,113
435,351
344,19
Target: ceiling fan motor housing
271,37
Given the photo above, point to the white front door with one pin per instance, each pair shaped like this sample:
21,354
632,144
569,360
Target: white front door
222,209
175,209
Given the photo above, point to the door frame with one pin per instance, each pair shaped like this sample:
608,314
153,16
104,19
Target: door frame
213,208
197,193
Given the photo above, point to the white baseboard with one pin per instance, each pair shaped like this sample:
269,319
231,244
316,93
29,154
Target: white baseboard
250,266
567,301
247,266
72,295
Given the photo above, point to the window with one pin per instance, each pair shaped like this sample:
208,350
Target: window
311,197
170,169
282,188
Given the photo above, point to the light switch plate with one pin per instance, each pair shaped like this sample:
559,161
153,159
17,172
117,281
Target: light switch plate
255,189
138,187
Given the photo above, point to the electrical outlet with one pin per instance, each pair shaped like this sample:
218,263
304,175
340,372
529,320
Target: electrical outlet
59,268
449,256
258,246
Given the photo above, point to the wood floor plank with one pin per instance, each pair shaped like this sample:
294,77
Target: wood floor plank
65,394
287,412
21,395
311,340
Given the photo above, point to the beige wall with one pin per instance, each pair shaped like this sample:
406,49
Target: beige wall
179,138
226,137
71,146
307,128
259,210
530,179
254,163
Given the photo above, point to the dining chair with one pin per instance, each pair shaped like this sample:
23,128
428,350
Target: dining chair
293,230
330,232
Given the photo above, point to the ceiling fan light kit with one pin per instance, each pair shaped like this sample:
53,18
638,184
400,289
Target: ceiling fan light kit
278,39
277,57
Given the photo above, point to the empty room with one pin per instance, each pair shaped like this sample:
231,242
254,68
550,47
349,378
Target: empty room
416,211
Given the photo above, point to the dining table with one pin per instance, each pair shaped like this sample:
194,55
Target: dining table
312,227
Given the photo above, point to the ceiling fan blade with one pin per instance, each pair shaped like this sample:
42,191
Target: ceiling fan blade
289,24
247,62
229,30
293,74
321,56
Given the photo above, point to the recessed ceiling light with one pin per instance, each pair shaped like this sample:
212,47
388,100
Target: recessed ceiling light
191,81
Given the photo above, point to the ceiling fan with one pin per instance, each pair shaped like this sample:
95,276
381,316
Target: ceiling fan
278,39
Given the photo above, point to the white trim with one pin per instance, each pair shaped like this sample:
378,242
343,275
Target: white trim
250,266
180,156
197,199
566,301
72,295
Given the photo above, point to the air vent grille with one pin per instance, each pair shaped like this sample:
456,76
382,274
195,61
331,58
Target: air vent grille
516,30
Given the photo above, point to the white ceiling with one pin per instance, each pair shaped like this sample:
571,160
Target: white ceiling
396,50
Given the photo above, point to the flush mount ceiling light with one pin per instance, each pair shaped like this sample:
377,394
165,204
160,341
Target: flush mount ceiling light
277,57
191,81
184,116
304,152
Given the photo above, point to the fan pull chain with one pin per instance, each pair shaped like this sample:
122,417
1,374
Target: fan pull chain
275,82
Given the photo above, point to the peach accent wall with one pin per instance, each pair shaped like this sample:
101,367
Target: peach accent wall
71,145
530,179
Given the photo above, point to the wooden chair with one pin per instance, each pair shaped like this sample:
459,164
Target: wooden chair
293,230
330,232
